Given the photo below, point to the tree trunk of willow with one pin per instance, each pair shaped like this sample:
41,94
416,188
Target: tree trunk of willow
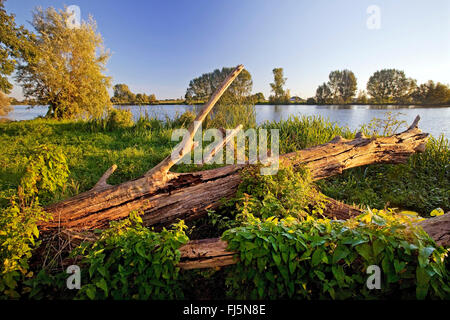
170,196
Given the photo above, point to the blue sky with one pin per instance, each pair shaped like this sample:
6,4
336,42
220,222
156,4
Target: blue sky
158,46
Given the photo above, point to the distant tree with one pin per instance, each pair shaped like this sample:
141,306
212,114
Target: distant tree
342,85
140,99
258,97
152,99
201,88
362,97
67,75
236,105
311,100
390,86
5,107
280,96
323,94
432,93
123,94
15,45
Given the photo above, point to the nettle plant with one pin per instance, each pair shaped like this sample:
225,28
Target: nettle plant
130,261
45,175
328,259
290,192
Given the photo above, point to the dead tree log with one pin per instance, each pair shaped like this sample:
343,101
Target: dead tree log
211,253
165,196
438,228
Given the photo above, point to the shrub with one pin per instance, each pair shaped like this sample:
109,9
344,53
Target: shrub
119,118
288,193
323,259
46,173
184,120
130,261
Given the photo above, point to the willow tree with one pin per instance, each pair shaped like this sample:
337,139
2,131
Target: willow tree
67,76
390,86
342,85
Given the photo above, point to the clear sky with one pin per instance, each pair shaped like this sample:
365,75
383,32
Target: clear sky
159,46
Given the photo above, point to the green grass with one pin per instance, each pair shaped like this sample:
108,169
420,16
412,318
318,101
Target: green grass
422,184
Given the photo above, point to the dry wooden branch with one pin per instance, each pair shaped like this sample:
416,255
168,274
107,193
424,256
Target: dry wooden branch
102,181
186,145
224,142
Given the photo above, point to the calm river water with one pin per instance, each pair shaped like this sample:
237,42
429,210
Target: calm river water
433,120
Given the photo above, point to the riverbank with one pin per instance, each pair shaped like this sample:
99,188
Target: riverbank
433,120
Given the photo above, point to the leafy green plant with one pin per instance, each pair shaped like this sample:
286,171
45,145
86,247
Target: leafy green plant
184,120
288,193
46,173
323,259
130,261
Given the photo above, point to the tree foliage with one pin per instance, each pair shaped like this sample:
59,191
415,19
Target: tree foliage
340,88
342,85
15,45
390,86
236,106
201,88
323,94
123,95
432,93
67,75
280,96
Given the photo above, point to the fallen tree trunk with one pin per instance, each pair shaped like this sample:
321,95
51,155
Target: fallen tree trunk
211,253
438,228
165,197
188,195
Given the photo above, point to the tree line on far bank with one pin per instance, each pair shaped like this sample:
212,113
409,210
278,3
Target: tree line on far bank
386,86
63,67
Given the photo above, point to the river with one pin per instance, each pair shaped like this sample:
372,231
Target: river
435,120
